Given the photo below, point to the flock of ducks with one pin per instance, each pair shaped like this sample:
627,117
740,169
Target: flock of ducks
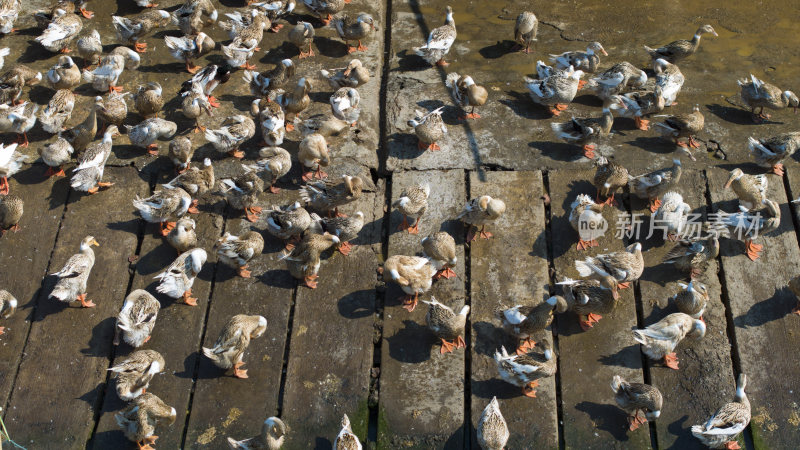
314,225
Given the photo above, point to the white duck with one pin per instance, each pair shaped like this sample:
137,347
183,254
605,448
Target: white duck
148,131
177,280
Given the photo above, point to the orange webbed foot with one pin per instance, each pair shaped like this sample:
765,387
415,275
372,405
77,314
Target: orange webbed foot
445,273
345,248
654,205
529,390
434,147
447,347
732,445
275,190
51,172
671,361
526,346
777,169
409,303
243,272
188,299
238,154
588,151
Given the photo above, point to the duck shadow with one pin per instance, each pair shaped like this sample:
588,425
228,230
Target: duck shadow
331,48
131,226
682,435
189,364
99,344
558,151
47,306
589,100
356,305
370,233
278,278
776,307
653,144
606,417
662,274
404,146
495,387
626,357
408,61
406,344
498,49
91,397
34,52
286,50
734,115
40,95
489,338
521,104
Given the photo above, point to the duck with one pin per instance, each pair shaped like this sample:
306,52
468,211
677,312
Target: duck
195,181
328,195
412,203
609,177
635,397
523,321
183,236
692,299
11,209
64,75
276,9
429,128
233,132
18,119
669,78
139,419
189,48
353,76
681,49
302,36
769,152
344,228
272,119
194,104
313,153
290,221
693,256
242,193
272,437
525,30
350,29
722,428
751,190
81,135
642,103
440,249
682,126
43,17
672,215
616,80
296,101
209,77
586,217
759,94
589,130
276,162
746,225
181,152
659,340
131,30
346,439
106,75
10,163
237,251
624,266
13,80
480,211
164,207
414,274
58,111
446,324
238,54
247,29
264,84
439,41
134,373
71,279
325,124
55,155
344,105
147,99
9,12
191,16
114,109
590,299
148,131
90,47
587,61
555,91
325,8
652,185
525,370
492,428
303,259
137,318
466,93
61,31
91,164
177,280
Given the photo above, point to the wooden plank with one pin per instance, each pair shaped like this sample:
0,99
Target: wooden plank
330,356
766,333
223,405
422,391
177,332
72,379
26,256
589,360
706,370
518,247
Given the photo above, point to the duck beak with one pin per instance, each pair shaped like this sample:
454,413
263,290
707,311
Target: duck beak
94,242
604,52
729,182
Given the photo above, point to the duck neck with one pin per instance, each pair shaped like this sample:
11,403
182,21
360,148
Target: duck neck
696,40
607,121
449,20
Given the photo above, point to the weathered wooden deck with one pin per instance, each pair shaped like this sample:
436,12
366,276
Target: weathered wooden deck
348,346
